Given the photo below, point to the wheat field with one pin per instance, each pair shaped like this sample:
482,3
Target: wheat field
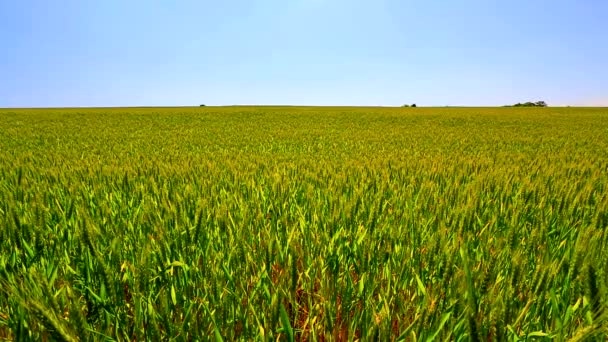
304,223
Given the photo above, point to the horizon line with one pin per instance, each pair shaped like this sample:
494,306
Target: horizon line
292,105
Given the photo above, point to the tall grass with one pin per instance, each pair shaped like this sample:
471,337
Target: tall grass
303,224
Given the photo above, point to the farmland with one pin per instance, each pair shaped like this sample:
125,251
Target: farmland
304,223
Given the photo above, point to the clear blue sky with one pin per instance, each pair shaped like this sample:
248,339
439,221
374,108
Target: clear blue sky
312,52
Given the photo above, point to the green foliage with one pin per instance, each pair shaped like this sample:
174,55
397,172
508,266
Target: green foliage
531,104
252,223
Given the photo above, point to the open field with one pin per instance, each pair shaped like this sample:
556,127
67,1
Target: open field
258,223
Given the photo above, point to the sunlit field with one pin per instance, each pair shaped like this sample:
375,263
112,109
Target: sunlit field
304,223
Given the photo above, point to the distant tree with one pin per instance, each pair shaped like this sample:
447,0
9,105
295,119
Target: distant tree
530,104
413,105
202,105
405,105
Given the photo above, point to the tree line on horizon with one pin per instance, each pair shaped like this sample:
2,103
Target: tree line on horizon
530,104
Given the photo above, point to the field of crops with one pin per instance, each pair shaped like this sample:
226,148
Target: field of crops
266,223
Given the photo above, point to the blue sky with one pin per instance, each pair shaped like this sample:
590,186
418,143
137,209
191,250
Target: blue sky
310,52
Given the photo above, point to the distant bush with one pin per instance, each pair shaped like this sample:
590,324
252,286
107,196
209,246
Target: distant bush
405,106
413,105
530,104
203,105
